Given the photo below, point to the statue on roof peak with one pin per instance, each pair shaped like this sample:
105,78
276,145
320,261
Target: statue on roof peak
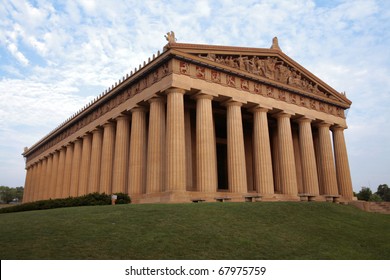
170,36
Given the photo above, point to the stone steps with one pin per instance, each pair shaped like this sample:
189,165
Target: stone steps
370,206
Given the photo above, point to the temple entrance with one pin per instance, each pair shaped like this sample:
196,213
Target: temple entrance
222,166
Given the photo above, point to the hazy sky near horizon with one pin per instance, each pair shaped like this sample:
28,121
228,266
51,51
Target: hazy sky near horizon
56,56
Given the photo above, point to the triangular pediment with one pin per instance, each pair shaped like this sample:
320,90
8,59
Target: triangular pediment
266,65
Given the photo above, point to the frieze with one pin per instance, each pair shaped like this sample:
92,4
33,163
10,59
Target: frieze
254,87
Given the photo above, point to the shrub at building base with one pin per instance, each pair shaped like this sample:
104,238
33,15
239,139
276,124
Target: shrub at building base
85,200
122,198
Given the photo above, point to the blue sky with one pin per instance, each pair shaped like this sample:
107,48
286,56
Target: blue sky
55,56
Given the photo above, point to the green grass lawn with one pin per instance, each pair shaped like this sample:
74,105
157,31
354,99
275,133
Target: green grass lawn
273,230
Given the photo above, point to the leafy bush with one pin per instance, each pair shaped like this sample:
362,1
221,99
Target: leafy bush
122,198
85,200
364,194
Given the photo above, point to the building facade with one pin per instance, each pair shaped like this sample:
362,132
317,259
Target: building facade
202,122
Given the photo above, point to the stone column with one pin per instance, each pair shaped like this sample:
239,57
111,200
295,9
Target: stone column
36,180
175,141
68,170
42,179
33,182
309,165
297,157
49,172
343,173
262,162
156,146
327,166
206,153
85,164
108,150
121,158
288,176
60,173
27,184
190,148
137,160
76,162
96,158
235,149
53,178
275,161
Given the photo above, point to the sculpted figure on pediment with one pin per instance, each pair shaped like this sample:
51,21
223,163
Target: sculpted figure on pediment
270,68
229,61
295,79
241,62
260,66
284,73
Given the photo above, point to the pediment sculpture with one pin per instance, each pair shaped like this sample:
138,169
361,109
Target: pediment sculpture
271,68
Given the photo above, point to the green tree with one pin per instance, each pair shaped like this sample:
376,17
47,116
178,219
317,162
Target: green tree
8,194
364,194
384,192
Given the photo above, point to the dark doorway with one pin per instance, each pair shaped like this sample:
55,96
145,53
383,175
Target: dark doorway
222,166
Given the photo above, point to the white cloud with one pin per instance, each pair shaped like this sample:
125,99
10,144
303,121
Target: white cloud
17,54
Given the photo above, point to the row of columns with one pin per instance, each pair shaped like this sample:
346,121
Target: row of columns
152,159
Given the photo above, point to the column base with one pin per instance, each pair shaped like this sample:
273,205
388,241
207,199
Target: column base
218,196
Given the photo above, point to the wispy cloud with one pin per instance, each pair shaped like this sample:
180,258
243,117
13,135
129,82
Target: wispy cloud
54,56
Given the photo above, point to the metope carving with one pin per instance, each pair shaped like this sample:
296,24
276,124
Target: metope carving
184,68
200,72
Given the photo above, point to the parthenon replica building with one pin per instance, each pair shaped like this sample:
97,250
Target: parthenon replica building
201,122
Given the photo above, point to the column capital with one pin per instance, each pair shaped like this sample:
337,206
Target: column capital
108,124
77,139
138,109
324,124
157,99
232,102
338,127
69,144
305,119
174,89
122,116
284,113
87,134
96,129
202,95
260,108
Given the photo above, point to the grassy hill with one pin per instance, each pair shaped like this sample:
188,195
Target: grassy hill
273,230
